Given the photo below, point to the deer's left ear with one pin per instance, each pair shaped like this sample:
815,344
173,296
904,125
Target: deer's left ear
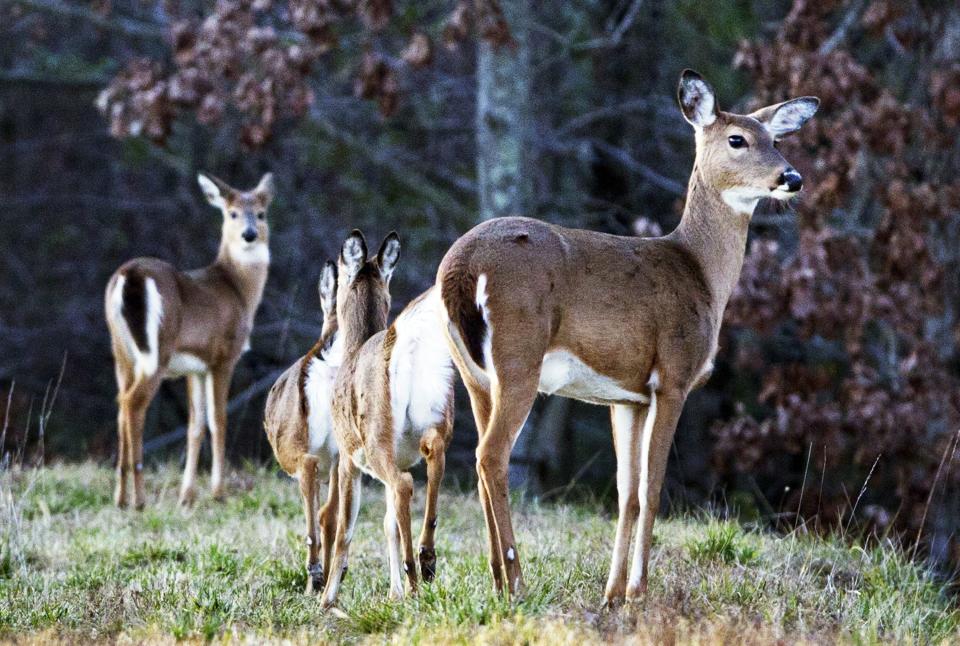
216,191
328,287
353,255
265,190
787,117
388,255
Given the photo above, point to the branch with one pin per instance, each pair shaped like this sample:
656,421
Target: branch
614,37
840,33
628,162
120,24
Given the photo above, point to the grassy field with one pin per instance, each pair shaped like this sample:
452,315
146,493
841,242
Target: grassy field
73,568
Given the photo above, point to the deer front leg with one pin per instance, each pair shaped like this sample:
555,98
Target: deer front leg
627,422
308,491
195,428
433,448
658,430
347,510
217,387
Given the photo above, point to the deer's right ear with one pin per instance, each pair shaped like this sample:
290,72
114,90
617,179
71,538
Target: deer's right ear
214,190
328,287
698,101
353,255
389,255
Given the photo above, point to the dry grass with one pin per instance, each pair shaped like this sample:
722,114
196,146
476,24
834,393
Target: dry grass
73,568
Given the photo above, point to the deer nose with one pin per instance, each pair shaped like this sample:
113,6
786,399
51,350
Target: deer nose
791,180
250,235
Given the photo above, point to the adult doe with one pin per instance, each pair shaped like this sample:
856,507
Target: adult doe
299,427
619,321
393,404
166,323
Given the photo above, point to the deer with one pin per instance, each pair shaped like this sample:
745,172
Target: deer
625,322
392,406
299,427
166,323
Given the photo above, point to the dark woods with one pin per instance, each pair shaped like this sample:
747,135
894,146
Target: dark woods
836,401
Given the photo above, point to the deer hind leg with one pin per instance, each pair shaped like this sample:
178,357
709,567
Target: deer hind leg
513,396
328,521
347,510
433,448
134,407
217,387
627,422
658,430
124,377
195,428
308,491
399,491
392,532
481,404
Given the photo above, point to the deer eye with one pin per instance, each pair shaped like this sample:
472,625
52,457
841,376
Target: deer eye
234,215
736,141
261,216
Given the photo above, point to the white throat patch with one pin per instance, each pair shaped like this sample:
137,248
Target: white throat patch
742,200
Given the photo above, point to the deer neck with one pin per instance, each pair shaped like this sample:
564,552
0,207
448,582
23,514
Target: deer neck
247,272
715,233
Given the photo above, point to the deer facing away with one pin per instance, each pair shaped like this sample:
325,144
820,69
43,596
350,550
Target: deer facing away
393,404
299,427
165,323
625,322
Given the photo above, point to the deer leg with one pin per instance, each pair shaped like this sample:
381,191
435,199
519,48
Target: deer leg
328,521
627,422
658,430
308,491
512,399
348,508
392,532
195,428
481,405
433,448
136,402
217,387
399,491
123,460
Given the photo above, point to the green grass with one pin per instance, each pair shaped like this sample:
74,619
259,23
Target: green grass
73,568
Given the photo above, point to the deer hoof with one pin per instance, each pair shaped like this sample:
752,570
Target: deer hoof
428,563
187,497
315,579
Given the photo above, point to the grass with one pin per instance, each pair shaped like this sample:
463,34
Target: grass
74,569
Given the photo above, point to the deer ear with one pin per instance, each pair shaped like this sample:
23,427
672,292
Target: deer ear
388,255
353,255
215,190
787,117
265,190
698,101
328,287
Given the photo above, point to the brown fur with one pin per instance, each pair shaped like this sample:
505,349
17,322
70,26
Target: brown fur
642,313
208,314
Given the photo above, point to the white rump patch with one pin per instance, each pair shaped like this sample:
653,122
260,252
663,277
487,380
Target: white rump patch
481,302
563,373
421,377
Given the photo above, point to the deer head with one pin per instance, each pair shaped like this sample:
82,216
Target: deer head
363,294
245,230
737,154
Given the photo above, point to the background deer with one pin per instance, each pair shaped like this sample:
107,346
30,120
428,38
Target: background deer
299,427
626,322
166,323
393,403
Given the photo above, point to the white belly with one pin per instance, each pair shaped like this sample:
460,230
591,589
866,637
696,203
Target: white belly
319,392
184,363
563,373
